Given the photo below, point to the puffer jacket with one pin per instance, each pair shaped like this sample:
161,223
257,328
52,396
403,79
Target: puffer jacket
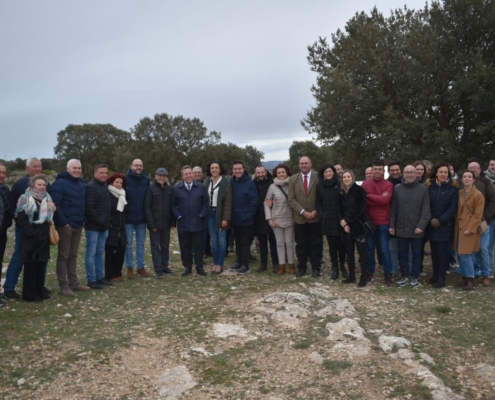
280,212
98,207
244,200
444,199
69,195
135,190
327,205
378,206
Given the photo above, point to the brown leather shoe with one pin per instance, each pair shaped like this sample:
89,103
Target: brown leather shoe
261,268
292,269
462,282
67,292
130,273
117,279
281,270
80,288
142,272
485,281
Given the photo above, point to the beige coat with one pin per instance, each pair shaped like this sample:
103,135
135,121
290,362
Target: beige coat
280,212
298,200
475,201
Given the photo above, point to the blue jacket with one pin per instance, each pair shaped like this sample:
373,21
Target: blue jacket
135,192
189,207
443,203
69,195
244,200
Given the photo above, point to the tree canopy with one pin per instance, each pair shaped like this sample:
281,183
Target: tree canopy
416,85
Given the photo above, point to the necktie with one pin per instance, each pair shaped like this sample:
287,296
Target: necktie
188,188
306,184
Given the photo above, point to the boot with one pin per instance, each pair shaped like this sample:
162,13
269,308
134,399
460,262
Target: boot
335,274
462,282
292,269
345,275
261,268
301,271
315,272
470,284
351,278
275,268
364,278
281,269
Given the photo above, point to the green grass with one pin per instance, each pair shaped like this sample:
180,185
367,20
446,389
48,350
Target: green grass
443,309
336,366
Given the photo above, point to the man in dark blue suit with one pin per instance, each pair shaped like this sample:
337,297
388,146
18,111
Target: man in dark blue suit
189,204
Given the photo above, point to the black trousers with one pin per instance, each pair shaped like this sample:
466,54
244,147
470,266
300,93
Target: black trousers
194,240
440,259
337,250
264,240
309,242
160,244
3,244
114,261
242,243
34,281
362,249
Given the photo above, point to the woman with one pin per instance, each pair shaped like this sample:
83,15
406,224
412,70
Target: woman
117,237
34,215
219,212
466,235
420,171
280,218
327,206
352,215
444,197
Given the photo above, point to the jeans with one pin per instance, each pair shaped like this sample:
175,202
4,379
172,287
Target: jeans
218,239
95,249
466,261
416,246
393,246
309,244
482,257
381,235
440,260
140,238
15,266
491,243
160,243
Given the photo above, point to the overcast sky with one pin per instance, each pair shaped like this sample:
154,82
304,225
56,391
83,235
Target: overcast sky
240,67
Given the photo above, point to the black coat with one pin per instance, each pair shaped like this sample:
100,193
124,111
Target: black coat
158,207
352,208
327,205
35,239
261,226
116,232
7,211
98,208
444,200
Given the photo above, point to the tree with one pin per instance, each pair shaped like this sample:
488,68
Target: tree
317,154
92,144
415,85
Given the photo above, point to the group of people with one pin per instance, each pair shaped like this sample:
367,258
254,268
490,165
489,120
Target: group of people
288,213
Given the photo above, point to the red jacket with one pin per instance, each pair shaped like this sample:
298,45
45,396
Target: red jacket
378,205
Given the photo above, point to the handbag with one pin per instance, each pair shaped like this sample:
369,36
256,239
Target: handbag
483,226
369,226
54,238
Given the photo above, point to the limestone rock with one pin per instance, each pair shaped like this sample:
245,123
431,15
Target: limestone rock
316,357
340,307
175,382
387,343
427,358
226,330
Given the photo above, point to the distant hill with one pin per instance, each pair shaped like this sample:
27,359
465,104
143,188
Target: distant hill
269,165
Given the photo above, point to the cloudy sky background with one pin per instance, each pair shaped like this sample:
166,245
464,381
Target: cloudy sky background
240,67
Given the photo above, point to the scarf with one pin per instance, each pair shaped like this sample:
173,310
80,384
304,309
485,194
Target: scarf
27,203
120,194
280,182
490,175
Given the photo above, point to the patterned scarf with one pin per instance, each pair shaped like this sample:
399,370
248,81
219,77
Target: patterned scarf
27,203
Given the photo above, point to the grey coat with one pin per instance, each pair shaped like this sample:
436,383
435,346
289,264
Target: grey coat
410,210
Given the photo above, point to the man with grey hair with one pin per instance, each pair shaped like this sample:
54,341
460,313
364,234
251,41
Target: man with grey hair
33,167
69,195
198,174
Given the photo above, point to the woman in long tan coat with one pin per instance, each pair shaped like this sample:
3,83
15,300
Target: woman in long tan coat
466,234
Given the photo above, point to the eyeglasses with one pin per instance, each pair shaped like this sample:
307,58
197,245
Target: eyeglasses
409,172
137,165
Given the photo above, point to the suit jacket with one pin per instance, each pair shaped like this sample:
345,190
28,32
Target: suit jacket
298,200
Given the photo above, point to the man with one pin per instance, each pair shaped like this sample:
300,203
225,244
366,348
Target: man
68,193
380,192
490,172
33,167
137,184
189,202
262,230
339,170
307,225
409,215
6,214
198,174
482,260
98,212
244,206
198,177
395,178
160,219
369,173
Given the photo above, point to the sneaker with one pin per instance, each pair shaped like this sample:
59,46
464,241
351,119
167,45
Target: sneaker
142,272
403,282
447,272
105,282
12,294
3,303
95,285
236,266
67,292
243,270
370,278
389,281
413,282
79,288
130,273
